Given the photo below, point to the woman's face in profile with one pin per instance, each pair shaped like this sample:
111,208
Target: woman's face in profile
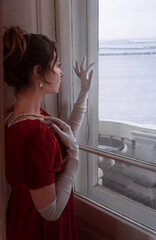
53,77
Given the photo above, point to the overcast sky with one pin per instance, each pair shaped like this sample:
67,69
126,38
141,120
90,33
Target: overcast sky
127,19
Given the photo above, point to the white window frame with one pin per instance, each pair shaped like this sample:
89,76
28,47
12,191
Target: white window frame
124,206
83,29
64,45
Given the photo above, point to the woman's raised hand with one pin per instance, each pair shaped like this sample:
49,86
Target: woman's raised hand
84,74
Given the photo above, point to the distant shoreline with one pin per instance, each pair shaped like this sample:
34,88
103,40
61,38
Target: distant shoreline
127,47
126,53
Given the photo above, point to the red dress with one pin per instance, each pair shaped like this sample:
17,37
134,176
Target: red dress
33,158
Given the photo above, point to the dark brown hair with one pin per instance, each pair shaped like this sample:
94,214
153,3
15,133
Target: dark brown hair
23,51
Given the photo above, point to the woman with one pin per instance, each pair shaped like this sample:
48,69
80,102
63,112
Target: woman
41,151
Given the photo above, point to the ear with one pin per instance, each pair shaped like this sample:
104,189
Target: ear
37,71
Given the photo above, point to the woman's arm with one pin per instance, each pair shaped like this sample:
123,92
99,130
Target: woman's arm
51,200
43,196
80,106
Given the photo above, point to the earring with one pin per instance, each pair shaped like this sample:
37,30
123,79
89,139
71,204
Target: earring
41,83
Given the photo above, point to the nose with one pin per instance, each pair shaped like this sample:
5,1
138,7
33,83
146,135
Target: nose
61,73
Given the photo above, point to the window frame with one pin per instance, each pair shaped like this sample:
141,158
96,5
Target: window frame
101,194
85,30
64,46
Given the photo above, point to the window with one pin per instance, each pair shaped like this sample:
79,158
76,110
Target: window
112,142
126,118
126,109
127,53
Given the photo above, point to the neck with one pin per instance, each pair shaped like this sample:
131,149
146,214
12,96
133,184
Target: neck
28,102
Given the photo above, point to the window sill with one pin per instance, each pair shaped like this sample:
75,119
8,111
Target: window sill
109,222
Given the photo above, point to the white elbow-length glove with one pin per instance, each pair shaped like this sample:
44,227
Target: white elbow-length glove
80,106
65,178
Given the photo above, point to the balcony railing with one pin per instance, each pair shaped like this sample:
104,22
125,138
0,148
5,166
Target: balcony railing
126,160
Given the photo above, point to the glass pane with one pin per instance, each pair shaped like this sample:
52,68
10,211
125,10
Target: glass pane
130,181
127,77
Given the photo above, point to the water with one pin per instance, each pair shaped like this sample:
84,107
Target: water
127,81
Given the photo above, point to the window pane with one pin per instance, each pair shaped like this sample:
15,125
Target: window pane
133,182
127,75
127,87
127,99
127,56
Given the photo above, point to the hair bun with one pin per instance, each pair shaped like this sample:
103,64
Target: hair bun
22,52
14,41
